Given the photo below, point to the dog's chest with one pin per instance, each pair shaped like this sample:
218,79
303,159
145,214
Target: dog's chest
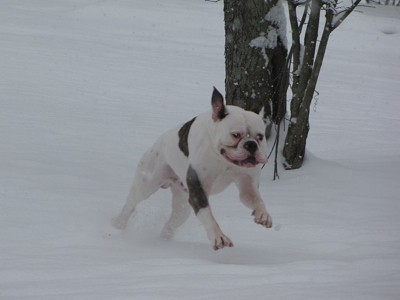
221,181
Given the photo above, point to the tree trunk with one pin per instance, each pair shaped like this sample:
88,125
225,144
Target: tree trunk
255,56
306,77
307,67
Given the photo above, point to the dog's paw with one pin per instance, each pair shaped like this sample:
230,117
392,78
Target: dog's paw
263,218
222,241
167,234
119,223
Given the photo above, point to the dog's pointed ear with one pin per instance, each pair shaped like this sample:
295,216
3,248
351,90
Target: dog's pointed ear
218,106
259,110
261,113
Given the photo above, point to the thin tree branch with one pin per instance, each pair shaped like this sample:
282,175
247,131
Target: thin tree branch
335,23
303,18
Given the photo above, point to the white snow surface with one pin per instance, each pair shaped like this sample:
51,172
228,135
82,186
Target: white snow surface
86,86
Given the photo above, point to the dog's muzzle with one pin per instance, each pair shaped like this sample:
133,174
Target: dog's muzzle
247,160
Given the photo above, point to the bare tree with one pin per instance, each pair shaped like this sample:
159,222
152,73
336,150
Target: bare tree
307,58
257,62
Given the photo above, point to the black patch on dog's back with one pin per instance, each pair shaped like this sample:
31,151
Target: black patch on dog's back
183,137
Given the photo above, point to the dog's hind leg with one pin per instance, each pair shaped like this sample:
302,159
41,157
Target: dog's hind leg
150,175
180,210
135,196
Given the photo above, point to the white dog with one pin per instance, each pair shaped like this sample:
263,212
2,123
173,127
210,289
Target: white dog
200,158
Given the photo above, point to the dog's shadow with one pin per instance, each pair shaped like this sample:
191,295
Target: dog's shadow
149,243
141,246
238,255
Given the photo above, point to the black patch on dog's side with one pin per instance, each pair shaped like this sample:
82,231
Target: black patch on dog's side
183,137
197,196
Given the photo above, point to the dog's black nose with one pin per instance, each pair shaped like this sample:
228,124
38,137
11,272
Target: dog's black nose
250,146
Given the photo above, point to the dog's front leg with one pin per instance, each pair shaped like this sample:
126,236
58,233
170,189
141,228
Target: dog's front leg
199,201
250,197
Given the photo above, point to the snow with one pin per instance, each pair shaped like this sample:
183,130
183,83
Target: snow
270,38
263,42
275,15
87,86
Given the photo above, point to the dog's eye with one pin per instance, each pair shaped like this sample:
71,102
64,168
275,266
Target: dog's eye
236,135
260,137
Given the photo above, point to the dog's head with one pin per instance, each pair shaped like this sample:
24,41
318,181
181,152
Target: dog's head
239,134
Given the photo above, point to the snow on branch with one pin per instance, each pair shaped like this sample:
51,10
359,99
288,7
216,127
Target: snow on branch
329,3
299,2
337,14
341,13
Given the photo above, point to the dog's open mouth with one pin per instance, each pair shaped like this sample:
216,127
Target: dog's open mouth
248,162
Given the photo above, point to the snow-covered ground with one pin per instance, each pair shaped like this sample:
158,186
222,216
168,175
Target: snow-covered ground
87,85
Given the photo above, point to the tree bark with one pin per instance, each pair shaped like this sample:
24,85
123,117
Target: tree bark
303,91
255,56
